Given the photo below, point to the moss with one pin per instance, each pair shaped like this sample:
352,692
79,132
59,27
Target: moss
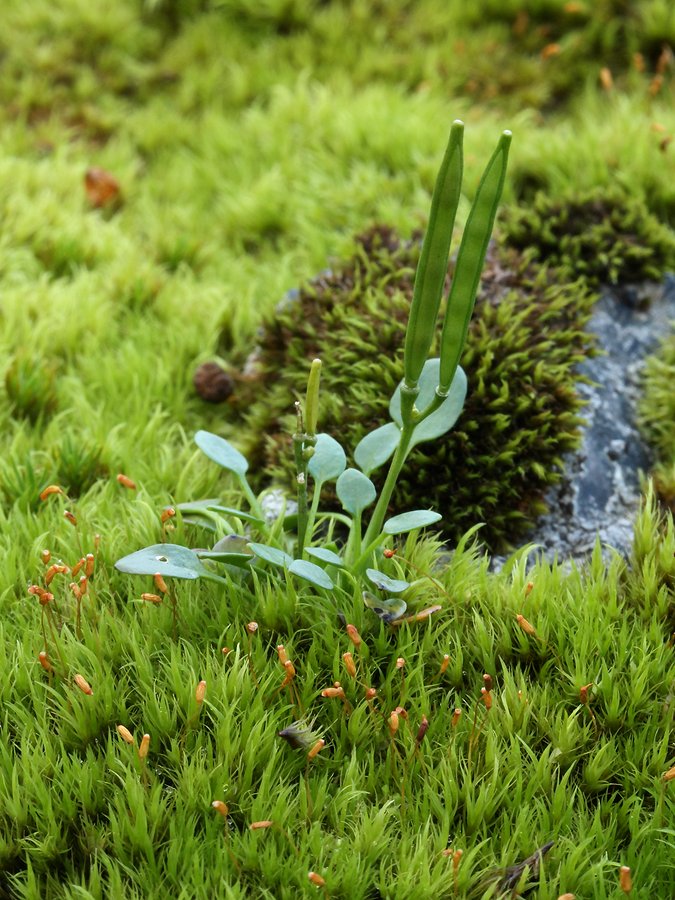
522,412
657,418
605,236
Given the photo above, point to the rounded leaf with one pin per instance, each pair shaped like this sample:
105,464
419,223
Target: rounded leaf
409,521
388,610
385,583
355,491
221,452
168,560
442,420
271,555
328,460
312,573
326,556
376,448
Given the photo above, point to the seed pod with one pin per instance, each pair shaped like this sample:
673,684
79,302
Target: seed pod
566,897
525,625
221,808
51,489
167,514
625,879
350,666
487,698
400,662
400,711
388,554
316,879
371,693
75,588
71,518
290,670
160,584
89,565
320,744
252,627
422,730
45,556
145,746
281,653
44,661
265,823
469,265
529,587
487,681
78,565
333,692
54,569
393,723
83,585
433,263
312,398
151,598
354,636
125,734
670,774
444,664
456,717
200,692
583,692
83,684
126,482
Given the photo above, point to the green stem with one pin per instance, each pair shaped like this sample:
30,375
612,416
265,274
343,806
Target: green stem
301,469
316,499
367,553
400,454
253,502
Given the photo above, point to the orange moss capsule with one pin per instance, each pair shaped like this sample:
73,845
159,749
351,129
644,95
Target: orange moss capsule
78,565
200,692
281,653
71,518
160,584
400,662
89,563
445,662
371,693
350,666
264,823
44,661
316,879
487,682
317,748
528,587
392,721
51,489
550,50
83,684
670,774
221,808
456,717
606,79
422,730
290,670
53,570
151,598
144,747
83,583
625,879
252,627
333,692
583,692
126,482
167,514
400,711
638,62
354,636
525,625
75,588
45,556
125,734
388,554
487,698
566,897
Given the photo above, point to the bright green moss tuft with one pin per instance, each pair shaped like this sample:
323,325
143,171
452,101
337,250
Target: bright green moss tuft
606,237
522,412
657,417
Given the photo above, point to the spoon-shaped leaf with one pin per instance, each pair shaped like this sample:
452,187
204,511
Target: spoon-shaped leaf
328,460
441,420
375,448
271,555
312,573
168,560
388,610
355,491
221,452
326,556
385,583
409,521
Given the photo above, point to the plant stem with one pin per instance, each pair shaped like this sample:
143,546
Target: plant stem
301,477
400,454
256,508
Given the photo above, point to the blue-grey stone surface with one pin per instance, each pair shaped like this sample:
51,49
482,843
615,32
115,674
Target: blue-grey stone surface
600,492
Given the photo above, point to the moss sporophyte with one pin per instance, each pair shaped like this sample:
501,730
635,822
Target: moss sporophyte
328,547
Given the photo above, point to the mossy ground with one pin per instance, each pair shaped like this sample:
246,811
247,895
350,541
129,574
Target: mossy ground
251,141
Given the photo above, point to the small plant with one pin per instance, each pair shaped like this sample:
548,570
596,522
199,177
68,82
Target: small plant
424,407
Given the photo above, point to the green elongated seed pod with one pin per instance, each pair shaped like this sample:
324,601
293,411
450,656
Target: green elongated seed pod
470,259
433,264
312,398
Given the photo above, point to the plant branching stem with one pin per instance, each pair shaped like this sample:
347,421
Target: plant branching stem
399,458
